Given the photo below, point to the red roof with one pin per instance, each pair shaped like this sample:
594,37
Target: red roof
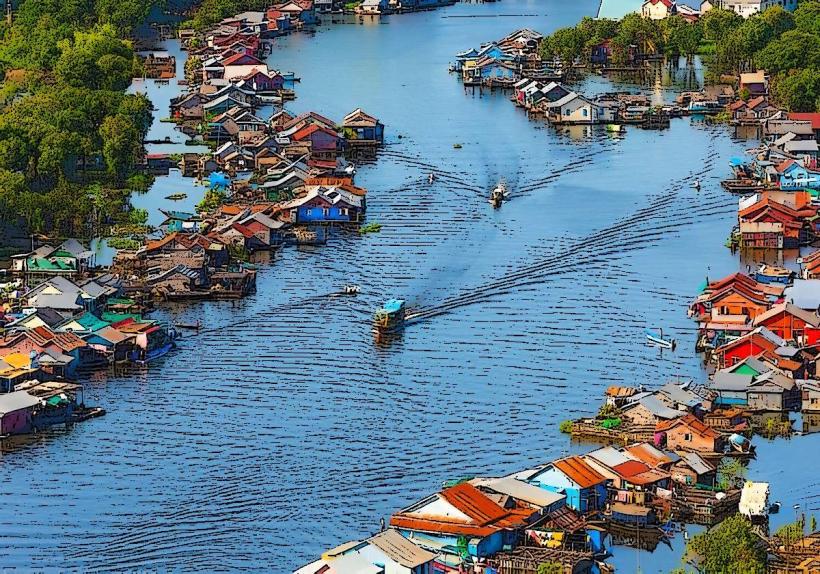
812,117
577,470
485,516
692,423
242,229
630,468
310,129
667,3
236,57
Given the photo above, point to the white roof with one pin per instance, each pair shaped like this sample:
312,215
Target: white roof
16,401
518,489
754,499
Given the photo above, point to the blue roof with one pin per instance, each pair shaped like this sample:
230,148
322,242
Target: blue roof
393,305
736,161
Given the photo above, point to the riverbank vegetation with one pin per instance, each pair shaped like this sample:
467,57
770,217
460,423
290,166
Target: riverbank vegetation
209,12
784,44
70,137
731,546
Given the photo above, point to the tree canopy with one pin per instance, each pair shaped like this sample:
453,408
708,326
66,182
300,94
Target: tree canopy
731,547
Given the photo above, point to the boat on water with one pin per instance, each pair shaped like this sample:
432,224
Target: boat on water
192,326
773,274
176,196
457,146
615,128
499,194
657,340
389,320
152,344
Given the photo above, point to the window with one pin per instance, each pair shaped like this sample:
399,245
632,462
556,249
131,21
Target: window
344,211
566,111
309,212
326,212
687,437
585,112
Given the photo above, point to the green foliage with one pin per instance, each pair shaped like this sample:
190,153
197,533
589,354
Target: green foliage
609,411
69,136
718,23
807,17
211,201
644,34
124,243
566,44
565,427
138,216
730,473
731,548
799,92
790,533
551,567
210,12
681,37
793,50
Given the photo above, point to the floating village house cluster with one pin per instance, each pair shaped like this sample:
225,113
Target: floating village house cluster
273,182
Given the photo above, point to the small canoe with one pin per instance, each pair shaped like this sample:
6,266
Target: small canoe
657,340
193,326
176,196
457,146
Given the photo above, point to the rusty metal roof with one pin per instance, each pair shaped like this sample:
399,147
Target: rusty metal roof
577,470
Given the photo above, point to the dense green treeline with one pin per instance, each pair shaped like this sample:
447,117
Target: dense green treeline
209,12
69,135
785,44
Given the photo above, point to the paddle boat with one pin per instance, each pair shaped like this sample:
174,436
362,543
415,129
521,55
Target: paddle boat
389,320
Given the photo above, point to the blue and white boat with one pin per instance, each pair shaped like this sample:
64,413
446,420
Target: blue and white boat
772,274
656,340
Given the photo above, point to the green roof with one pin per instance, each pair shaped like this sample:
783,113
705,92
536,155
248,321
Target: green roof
121,301
112,317
42,264
91,322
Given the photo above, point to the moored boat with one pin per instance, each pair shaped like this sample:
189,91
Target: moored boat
773,274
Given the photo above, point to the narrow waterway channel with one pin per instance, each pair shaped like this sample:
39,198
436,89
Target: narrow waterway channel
281,430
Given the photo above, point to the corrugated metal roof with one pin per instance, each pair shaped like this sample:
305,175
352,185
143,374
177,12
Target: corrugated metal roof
16,401
401,550
469,500
577,470
609,456
630,468
520,490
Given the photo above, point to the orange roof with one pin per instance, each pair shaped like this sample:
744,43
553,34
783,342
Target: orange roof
692,423
630,468
615,391
647,454
577,470
230,209
486,517
472,502
160,243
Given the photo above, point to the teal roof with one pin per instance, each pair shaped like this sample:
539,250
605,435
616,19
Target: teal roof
116,317
91,322
393,305
42,264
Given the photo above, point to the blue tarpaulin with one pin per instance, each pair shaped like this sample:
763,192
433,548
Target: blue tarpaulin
735,161
219,179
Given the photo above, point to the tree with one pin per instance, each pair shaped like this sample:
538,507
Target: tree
793,50
799,92
567,44
681,37
778,20
807,17
717,23
731,547
121,145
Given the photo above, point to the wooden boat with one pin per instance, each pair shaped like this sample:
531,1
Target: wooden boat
176,196
772,274
192,326
656,340
389,320
499,194
742,185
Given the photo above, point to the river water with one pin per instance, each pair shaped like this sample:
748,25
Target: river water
282,430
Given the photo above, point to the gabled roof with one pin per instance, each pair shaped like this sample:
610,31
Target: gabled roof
236,60
519,490
761,335
357,118
807,316
15,401
692,423
654,406
577,470
812,117
649,455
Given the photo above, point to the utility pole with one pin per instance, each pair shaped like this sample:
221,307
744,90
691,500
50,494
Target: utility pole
8,12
